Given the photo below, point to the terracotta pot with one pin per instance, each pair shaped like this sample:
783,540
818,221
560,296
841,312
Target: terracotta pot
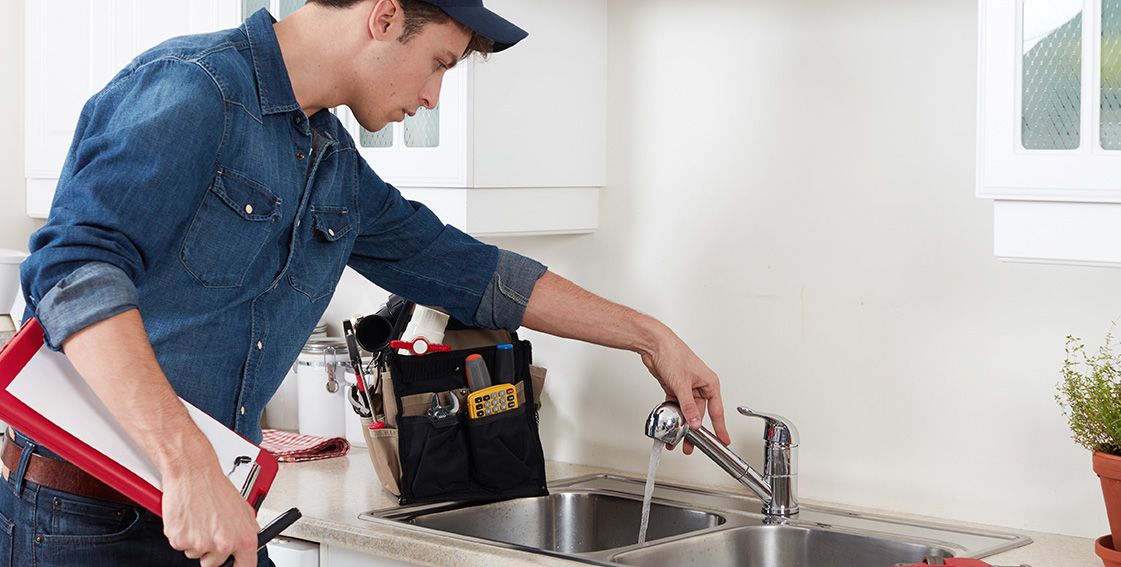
1104,548
1108,469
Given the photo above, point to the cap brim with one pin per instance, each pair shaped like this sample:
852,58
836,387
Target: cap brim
482,21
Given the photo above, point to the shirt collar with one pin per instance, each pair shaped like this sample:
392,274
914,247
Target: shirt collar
273,86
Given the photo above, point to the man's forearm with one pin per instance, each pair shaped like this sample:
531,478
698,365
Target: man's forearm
562,308
116,359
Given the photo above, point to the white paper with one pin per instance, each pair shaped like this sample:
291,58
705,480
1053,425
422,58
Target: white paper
51,386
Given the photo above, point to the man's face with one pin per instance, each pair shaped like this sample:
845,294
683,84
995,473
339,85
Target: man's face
402,77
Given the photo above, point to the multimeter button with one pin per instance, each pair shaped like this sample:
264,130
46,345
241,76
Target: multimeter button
487,397
509,390
510,398
478,406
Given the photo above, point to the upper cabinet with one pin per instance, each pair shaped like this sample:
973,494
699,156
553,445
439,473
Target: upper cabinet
517,144
72,50
1049,128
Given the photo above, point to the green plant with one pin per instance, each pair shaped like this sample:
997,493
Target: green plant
1090,395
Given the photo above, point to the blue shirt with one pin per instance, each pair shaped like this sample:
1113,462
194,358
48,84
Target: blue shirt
198,191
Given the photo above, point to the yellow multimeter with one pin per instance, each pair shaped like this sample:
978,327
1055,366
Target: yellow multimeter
491,400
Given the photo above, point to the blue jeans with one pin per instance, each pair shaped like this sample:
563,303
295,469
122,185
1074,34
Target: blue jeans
43,527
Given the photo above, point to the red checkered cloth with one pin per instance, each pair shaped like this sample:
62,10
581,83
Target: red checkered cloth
290,447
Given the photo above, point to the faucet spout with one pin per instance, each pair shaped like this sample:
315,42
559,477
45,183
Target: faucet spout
667,424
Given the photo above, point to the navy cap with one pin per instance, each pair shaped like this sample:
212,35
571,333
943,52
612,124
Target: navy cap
482,21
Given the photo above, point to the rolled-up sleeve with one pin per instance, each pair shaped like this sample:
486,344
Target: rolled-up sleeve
404,248
143,154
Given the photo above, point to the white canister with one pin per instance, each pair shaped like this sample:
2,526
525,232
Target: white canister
320,381
282,411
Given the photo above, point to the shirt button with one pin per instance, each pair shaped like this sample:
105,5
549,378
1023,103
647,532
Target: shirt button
297,223
300,155
299,120
260,345
242,410
330,232
248,209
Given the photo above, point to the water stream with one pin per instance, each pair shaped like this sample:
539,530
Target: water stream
648,494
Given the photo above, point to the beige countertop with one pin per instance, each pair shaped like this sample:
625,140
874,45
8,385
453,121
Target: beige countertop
332,493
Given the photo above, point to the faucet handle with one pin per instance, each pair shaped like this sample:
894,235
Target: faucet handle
779,429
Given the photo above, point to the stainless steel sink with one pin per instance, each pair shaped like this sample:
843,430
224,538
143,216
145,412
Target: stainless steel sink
764,546
565,522
594,519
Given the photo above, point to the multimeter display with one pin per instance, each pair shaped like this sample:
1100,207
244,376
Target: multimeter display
492,400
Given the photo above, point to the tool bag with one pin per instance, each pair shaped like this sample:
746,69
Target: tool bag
422,455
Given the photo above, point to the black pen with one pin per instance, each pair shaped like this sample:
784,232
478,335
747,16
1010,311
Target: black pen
272,530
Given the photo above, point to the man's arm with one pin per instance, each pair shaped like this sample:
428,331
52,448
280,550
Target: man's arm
203,512
560,307
143,156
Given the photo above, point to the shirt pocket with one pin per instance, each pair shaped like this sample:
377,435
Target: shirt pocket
234,221
322,249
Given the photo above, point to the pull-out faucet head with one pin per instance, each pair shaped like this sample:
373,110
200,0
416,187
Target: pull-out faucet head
667,424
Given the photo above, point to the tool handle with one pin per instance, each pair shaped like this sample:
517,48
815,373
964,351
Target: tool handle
273,529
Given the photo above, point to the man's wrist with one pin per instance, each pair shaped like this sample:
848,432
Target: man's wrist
649,333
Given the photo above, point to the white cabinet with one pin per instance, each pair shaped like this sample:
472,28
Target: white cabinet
518,142
1049,128
517,145
72,50
333,556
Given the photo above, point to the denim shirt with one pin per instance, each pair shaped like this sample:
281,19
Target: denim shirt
197,191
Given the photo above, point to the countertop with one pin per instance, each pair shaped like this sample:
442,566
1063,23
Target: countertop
332,493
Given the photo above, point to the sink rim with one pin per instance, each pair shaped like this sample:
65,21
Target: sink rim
737,509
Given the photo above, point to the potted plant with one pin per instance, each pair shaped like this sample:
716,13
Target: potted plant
1090,396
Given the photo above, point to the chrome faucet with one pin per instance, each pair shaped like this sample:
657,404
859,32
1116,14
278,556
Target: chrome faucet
777,487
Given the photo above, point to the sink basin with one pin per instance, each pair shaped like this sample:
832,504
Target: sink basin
566,522
595,518
766,546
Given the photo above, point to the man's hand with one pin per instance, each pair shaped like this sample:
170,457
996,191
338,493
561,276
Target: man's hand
560,307
202,511
206,518
688,381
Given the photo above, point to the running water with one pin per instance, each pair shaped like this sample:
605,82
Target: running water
648,494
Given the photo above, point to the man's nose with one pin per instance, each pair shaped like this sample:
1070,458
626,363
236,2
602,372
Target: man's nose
430,94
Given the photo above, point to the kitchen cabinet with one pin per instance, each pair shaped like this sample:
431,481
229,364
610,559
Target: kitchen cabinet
517,144
1049,128
72,50
334,556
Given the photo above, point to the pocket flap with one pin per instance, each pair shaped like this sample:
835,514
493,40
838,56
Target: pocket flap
249,199
332,223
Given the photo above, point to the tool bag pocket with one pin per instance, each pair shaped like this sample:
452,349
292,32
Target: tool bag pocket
435,459
454,457
501,450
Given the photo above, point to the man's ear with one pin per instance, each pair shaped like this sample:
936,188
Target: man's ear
386,20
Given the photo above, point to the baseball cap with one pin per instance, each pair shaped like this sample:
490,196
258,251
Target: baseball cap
482,21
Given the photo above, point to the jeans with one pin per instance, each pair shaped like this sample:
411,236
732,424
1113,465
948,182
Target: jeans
43,527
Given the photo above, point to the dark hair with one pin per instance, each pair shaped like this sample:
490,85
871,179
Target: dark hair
419,13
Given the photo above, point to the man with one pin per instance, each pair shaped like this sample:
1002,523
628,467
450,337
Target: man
206,210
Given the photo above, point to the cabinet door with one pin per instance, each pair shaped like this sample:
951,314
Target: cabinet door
73,49
339,557
1046,67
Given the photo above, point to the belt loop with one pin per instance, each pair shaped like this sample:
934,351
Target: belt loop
21,470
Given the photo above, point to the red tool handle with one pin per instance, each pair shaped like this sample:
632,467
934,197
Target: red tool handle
420,346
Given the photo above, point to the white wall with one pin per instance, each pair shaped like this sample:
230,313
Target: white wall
791,188
15,226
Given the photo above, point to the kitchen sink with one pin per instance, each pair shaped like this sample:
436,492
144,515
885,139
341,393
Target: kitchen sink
760,546
565,522
594,519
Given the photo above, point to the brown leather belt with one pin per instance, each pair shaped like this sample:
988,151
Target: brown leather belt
59,475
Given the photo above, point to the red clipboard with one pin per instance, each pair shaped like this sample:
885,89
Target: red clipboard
26,410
